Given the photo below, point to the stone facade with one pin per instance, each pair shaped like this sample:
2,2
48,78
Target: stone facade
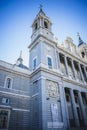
14,98
52,92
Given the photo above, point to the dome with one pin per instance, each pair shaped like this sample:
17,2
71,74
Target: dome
23,66
20,62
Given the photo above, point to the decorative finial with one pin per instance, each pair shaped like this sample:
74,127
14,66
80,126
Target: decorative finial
21,54
78,34
20,60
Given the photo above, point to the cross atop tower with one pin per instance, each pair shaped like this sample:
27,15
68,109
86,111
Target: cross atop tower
41,24
41,8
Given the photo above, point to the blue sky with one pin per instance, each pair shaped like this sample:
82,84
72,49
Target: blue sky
16,16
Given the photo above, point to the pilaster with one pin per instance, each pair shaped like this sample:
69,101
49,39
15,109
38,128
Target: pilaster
65,115
85,71
73,67
58,57
81,72
65,59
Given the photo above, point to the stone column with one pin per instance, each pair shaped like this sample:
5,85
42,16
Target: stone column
80,72
85,71
56,60
64,109
86,96
73,67
58,57
48,25
40,22
43,22
65,59
74,108
82,108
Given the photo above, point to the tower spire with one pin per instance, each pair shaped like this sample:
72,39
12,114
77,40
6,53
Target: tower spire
80,40
41,8
20,54
20,60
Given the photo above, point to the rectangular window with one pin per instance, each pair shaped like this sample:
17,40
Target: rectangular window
5,100
35,26
34,63
45,24
49,62
3,119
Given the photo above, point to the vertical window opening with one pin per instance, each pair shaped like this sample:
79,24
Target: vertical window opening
35,26
34,63
8,82
45,24
49,62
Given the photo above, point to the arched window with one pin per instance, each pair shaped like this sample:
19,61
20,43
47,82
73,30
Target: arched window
83,54
35,26
8,82
45,24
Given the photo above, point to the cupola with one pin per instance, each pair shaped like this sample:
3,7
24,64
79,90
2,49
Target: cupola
19,62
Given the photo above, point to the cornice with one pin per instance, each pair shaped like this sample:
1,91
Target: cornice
40,27
40,35
14,69
14,91
15,94
63,77
14,72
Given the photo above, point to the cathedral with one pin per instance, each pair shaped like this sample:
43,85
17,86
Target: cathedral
50,94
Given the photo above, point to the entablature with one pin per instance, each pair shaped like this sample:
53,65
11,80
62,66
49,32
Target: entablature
70,55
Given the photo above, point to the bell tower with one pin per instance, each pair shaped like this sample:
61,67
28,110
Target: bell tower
41,26
42,41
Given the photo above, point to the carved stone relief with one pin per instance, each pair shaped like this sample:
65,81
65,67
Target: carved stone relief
52,89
